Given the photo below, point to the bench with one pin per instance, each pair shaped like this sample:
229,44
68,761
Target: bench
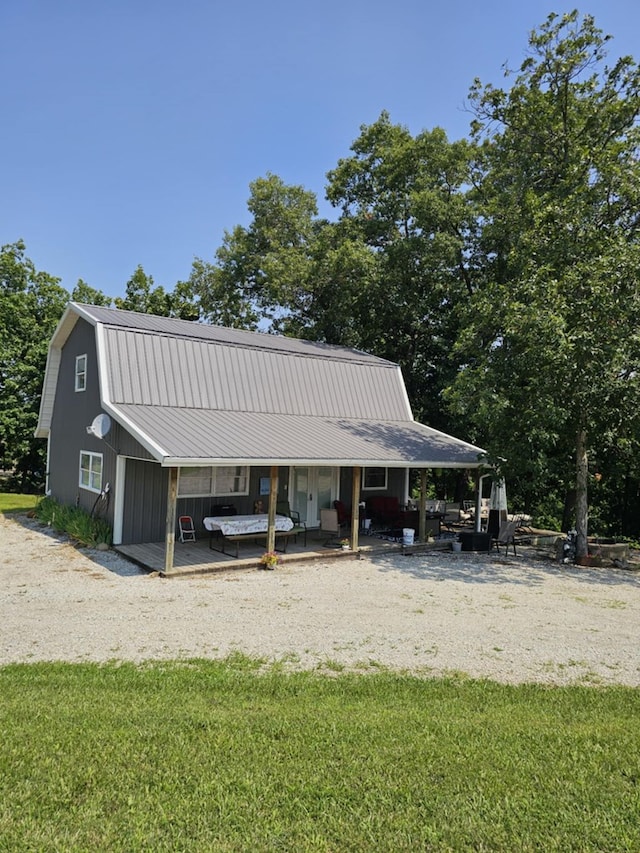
256,537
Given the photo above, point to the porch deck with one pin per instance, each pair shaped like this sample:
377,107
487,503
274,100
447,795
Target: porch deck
198,558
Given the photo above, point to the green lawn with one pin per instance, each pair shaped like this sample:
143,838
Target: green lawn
17,503
226,757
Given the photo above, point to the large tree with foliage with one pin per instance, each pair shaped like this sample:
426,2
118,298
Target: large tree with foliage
142,296
406,220
31,303
261,271
551,340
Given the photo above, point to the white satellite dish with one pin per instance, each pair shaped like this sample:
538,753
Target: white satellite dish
100,426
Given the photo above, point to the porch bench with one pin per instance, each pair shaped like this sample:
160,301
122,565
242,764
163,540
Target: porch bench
256,537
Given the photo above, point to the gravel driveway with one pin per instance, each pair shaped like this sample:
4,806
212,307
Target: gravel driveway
516,619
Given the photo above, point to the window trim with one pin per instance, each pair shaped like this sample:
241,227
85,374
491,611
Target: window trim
81,375
366,488
92,456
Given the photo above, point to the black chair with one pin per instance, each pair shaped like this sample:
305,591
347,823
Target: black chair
283,508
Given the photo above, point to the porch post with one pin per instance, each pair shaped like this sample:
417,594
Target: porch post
422,517
271,517
478,521
355,507
170,531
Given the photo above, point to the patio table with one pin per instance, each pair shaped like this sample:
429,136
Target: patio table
234,525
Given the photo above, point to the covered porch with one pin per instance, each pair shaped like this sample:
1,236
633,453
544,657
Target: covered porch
168,555
193,558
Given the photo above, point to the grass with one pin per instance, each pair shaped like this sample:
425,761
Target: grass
17,503
73,521
233,756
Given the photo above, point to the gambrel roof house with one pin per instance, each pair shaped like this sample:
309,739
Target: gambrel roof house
202,400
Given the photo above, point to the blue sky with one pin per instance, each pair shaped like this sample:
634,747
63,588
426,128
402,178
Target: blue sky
131,129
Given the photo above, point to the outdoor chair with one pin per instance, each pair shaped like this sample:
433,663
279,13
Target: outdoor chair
344,516
506,536
329,524
187,530
299,526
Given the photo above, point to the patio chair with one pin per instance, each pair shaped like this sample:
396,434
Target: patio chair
344,516
187,530
506,536
329,524
299,526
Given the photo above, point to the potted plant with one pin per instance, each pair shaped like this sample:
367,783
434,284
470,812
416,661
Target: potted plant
344,544
270,560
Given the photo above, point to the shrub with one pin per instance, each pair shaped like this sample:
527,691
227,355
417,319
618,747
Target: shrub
75,522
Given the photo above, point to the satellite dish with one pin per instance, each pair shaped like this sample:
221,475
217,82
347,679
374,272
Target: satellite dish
100,426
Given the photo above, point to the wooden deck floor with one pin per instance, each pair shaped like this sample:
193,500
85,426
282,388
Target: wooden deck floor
198,558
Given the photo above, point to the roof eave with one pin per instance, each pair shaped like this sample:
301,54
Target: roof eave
181,461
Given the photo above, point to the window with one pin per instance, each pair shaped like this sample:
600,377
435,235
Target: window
91,471
374,478
81,372
194,481
232,480
221,481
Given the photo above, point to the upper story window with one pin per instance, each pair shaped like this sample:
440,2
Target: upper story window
90,471
374,478
223,480
81,372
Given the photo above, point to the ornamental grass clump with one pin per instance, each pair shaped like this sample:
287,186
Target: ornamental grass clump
75,522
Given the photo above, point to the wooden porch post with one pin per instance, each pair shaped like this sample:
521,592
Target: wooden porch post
271,518
422,517
355,507
477,526
170,530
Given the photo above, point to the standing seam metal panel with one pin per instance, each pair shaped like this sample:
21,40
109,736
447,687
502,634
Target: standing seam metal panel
193,374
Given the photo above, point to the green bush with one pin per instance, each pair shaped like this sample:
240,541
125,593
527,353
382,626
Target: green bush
75,522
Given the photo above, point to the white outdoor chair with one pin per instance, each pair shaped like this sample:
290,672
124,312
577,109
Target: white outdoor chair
187,530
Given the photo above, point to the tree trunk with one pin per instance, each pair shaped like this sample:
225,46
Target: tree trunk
582,497
569,512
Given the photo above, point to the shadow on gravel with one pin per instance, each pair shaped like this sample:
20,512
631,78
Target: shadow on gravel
109,560
529,568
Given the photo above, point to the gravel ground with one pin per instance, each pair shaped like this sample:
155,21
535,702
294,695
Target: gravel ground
516,619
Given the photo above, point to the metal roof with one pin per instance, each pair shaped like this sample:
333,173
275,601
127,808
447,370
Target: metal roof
198,394
201,436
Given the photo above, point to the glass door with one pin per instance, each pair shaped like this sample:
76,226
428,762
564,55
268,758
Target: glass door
312,489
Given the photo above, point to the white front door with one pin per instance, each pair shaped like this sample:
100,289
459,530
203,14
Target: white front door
312,489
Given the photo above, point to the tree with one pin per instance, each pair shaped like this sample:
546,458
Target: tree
403,201
141,296
551,342
31,304
215,295
261,271
88,295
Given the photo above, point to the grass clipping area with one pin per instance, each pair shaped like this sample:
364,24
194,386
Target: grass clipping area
229,756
